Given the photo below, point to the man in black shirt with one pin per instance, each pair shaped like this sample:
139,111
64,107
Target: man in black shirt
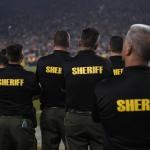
124,102
82,73
17,116
115,49
50,76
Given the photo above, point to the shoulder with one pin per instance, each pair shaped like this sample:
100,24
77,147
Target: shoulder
105,86
102,59
3,71
105,62
28,73
44,58
71,59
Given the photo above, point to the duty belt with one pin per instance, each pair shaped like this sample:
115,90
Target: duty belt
48,108
79,112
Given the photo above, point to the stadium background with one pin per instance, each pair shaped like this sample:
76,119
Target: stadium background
33,23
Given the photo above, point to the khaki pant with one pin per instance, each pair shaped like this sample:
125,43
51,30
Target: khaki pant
52,128
16,133
82,132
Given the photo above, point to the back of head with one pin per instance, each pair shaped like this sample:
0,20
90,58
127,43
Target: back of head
89,38
138,38
62,39
14,53
3,52
3,59
116,44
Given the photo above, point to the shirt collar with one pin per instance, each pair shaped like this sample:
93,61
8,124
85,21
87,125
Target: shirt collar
14,65
60,51
116,57
136,68
86,51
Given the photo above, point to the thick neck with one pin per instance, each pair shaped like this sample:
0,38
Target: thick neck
14,63
135,61
82,48
115,54
2,66
59,48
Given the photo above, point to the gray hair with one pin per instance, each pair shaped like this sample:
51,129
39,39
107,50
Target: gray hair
139,37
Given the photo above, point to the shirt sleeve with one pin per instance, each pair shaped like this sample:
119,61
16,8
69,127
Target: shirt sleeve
108,70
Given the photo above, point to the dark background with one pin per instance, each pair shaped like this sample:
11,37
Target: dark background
33,22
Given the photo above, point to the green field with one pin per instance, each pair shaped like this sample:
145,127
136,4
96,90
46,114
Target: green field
36,102
37,107
33,69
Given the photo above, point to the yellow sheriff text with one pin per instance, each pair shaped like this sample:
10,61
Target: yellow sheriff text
133,105
53,70
11,82
117,72
87,70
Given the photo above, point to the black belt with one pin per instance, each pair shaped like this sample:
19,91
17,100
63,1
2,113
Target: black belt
79,112
45,108
9,116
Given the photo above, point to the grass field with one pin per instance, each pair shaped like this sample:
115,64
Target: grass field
33,69
36,102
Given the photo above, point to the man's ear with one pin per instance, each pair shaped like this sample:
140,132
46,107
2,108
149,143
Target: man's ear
21,58
96,46
129,49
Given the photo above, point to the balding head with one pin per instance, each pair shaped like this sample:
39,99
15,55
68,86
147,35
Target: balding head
137,42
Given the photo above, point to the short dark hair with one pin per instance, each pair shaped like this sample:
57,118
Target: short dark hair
116,44
89,37
3,60
61,38
14,52
3,52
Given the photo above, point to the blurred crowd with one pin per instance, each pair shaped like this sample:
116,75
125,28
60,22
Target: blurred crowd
35,30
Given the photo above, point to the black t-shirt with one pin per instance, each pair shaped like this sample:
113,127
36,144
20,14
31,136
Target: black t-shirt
50,76
124,109
17,88
117,65
82,73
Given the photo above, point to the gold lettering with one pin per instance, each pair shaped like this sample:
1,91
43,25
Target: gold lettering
138,104
117,72
53,70
129,105
87,70
145,105
133,105
74,71
121,105
11,82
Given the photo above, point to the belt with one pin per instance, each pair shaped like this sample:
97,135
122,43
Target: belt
79,112
45,108
8,116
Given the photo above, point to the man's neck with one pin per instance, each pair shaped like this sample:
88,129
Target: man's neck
59,48
82,48
14,63
135,61
115,54
2,66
